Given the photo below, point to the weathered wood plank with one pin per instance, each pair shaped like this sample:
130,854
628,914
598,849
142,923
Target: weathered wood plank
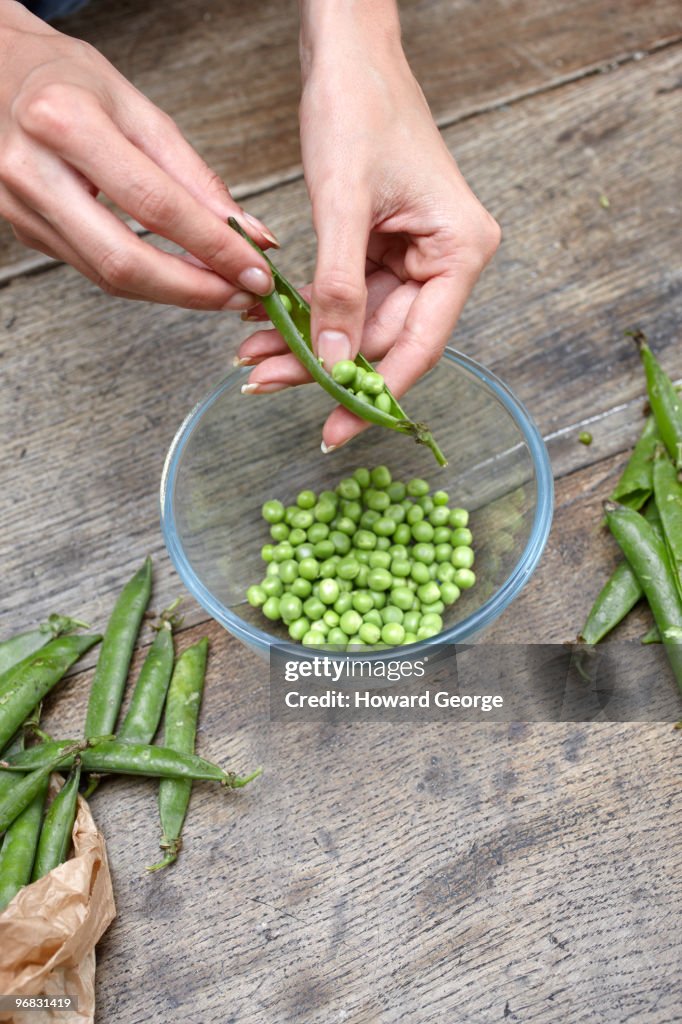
228,73
395,872
95,388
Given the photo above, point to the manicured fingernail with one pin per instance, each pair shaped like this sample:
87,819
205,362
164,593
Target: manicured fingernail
256,280
242,361
327,448
333,346
259,226
239,300
262,389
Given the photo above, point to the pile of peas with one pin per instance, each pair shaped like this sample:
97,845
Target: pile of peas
375,561
366,384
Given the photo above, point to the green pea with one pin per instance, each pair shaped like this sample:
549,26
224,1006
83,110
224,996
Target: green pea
328,567
362,577
343,372
380,598
379,560
350,622
420,572
399,566
288,571
336,636
433,570
423,552
272,569
446,572
362,476
256,596
426,503
312,638
402,598
298,628
365,540
369,632
297,537
402,534
396,491
344,524
417,487
396,512
383,543
377,501
437,608
302,588
313,608
272,586
355,641
428,592
410,638
349,488
465,579
385,527
267,552
323,549
379,579
391,613
440,497
383,402
462,558
345,586
360,374
279,531
411,620
320,626
271,608
362,601
443,552
393,633
374,615
369,518
309,568
422,532
431,621
341,541
461,537
290,511
426,632
361,555
283,551
439,516
324,512
398,550
348,568
415,514
343,603
317,532
458,517
306,499
273,511
449,592
331,617
351,510
441,535
329,591
373,384
290,607
381,477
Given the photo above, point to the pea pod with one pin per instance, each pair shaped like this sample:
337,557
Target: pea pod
18,647
55,835
635,485
648,557
146,705
108,684
652,636
665,402
19,846
668,495
25,685
290,314
28,788
180,729
122,758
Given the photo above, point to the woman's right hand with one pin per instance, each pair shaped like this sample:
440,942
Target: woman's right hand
72,127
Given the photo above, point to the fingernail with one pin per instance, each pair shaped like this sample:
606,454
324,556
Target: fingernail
333,346
239,300
259,226
249,318
327,448
262,389
256,280
242,361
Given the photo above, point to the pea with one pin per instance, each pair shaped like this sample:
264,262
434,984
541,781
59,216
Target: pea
396,512
297,537
380,598
313,608
420,572
379,560
422,532
428,592
349,489
355,641
437,608
440,498
360,373
377,501
461,537
350,622
399,566
361,555
271,608
324,512
351,510
374,615
383,543
398,551
426,632
298,628
256,596
308,568
462,558
290,607
344,525
362,577
432,619
417,487
267,552
362,601
328,567
433,570
306,499
411,620
402,598
393,633
283,551
273,511
312,638
365,540
458,517
344,371
320,626
329,591
343,603
439,516
465,579
391,613
302,588
379,579
323,549
362,476
288,571
348,568
385,526
279,531
396,491
442,552
272,569
381,477
369,518
441,535
317,532
426,503
290,511
336,636
345,586
272,586
449,592
369,632
373,384
341,541
423,552
410,638
383,402
446,572
402,534
415,514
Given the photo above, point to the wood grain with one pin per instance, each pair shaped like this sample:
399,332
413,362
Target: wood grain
228,72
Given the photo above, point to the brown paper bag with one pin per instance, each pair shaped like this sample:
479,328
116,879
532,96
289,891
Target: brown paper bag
49,931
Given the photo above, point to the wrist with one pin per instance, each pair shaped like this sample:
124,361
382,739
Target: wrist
339,30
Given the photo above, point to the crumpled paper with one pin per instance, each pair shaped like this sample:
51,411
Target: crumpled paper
49,931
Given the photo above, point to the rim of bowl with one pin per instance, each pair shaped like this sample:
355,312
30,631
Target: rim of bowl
460,631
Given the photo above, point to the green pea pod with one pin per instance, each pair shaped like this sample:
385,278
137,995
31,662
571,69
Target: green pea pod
19,847
180,729
55,835
664,400
293,324
668,495
18,647
30,680
108,684
648,557
635,485
146,705
27,788
122,758
652,636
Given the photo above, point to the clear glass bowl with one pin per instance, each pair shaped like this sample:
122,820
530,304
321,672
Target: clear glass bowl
234,451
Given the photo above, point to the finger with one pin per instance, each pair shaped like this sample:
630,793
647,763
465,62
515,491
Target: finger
144,190
342,225
275,374
260,346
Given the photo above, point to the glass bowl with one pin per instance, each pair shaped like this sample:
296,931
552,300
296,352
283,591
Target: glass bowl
234,451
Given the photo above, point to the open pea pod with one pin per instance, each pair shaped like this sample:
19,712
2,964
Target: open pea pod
290,314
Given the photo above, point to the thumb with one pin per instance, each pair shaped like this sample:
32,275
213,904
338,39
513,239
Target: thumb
339,292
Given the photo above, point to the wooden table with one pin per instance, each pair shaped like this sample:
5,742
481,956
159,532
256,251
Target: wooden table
378,873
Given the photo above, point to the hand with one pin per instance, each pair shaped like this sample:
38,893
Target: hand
401,237
71,127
